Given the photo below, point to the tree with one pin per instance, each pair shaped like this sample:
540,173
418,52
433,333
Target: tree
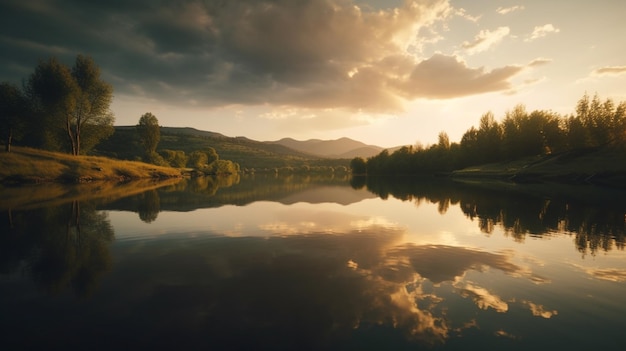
358,165
198,160
149,133
175,158
92,113
51,91
224,167
72,102
489,138
12,113
211,155
443,142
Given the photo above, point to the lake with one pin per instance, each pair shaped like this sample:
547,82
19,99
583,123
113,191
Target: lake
269,262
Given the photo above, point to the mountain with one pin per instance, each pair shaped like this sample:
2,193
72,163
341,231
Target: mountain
345,148
246,152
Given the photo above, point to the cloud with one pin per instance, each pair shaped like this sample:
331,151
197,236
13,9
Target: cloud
485,40
446,77
542,31
539,62
507,10
463,14
609,71
311,54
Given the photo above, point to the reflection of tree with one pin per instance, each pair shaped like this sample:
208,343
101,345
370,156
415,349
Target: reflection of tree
358,182
596,220
149,206
63,246
214,191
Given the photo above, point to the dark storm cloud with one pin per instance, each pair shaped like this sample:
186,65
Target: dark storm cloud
312,53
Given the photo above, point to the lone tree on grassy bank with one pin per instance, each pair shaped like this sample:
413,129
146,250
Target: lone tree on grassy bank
74,102
149,134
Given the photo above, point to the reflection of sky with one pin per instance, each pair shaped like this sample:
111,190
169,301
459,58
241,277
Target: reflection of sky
446,249
420,224
333,269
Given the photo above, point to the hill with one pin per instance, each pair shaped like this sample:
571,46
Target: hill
339,148
583,166
246,152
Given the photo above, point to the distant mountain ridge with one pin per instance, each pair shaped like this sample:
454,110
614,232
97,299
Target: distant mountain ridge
249,153
339,148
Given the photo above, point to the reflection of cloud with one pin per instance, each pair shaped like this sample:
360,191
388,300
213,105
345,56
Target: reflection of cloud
345,283
301,221
505,334
440,263
539,310
483,298
610,274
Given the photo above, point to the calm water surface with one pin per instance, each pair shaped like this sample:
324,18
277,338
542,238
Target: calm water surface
314,263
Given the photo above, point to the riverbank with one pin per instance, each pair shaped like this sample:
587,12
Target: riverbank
27,165
590,166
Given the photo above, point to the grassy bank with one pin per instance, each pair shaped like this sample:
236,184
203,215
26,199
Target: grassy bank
591,166
26,165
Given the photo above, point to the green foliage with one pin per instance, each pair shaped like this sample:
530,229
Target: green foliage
175,158
149,132
70,107
198,160
599,123
156,159
52,94
223,167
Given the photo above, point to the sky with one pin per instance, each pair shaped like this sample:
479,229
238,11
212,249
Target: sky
384,72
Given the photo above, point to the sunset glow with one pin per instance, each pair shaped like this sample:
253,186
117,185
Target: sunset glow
382,72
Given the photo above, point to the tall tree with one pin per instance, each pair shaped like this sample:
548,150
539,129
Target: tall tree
489,138
51,91
92,113
74,102
12,113
149,132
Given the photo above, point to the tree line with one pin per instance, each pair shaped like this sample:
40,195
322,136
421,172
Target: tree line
595,124
148,134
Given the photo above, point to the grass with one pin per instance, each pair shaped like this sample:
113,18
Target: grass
604,167
27,165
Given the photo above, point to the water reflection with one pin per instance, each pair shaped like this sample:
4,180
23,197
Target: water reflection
596,216
310,263
308,292
58,247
